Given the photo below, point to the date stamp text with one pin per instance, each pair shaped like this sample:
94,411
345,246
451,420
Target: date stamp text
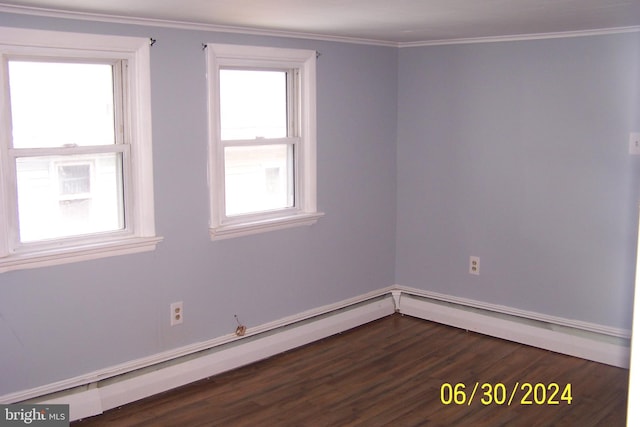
500,394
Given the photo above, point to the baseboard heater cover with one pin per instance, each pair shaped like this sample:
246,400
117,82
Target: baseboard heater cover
93,399
597,347
555,334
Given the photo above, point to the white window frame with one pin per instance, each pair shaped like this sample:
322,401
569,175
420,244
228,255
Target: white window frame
304,211
139,232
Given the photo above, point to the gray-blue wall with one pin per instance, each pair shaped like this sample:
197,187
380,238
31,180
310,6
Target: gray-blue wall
517,152
60,322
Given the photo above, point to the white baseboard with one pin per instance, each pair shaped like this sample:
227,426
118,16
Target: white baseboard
93,399
83,401
217,361
587,341
93,393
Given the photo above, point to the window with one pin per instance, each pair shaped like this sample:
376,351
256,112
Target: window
75,148
262,139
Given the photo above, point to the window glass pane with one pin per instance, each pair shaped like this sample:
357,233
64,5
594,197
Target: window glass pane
58,104
258,178
253,104
65,196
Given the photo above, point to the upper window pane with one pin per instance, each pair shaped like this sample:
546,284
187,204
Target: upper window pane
61,104
253,104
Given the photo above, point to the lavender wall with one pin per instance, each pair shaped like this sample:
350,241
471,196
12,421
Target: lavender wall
517,152
64,321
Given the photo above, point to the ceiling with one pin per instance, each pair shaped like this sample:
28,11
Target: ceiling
385,21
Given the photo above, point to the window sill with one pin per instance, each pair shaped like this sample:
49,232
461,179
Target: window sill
227,231
78,253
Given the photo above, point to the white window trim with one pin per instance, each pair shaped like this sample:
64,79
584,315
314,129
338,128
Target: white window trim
140,209
305,212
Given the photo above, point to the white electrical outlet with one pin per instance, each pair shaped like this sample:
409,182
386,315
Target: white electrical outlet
177,315
634,143
474,265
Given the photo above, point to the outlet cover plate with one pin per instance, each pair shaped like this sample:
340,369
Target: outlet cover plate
177,314
474,265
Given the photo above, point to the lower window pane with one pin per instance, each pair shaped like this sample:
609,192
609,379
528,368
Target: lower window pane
258,178
67,196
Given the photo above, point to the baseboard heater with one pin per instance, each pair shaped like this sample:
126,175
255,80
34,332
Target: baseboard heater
587,341
94,393
108,393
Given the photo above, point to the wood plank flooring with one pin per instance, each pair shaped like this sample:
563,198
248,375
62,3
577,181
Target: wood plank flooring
390,373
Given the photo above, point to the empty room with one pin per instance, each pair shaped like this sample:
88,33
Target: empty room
319,213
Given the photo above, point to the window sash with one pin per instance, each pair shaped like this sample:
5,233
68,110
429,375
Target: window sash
292,107
293,179
259,141
67,151
15,245
118,88
293,112
292,182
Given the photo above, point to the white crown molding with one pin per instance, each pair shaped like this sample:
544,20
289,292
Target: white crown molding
523,37
185,25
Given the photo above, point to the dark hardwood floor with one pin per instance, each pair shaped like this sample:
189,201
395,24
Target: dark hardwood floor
391,373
